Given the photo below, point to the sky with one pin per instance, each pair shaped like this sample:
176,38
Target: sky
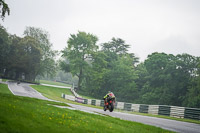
169,26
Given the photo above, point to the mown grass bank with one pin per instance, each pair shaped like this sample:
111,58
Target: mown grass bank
54,83
4,89
22,114
55,93
52,92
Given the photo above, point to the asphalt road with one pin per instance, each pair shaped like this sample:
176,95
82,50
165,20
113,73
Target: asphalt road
24,89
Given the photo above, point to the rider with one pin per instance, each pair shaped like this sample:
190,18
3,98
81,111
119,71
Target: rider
109,94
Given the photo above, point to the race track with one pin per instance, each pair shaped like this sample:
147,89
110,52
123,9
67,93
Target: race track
24,89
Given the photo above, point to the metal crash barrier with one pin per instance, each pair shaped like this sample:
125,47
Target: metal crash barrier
172,111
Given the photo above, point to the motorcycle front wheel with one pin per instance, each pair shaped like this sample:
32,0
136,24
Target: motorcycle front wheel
104,108
111,107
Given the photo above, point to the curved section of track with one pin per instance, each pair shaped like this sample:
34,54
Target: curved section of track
24,89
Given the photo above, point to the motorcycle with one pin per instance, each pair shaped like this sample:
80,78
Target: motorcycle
18,82
109,104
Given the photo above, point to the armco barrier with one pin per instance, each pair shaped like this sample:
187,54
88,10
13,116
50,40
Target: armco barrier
153,109
98,102
93,102
192,113
172,111
143,108
69,97
85,101
102,103
164,110
120,105
135,107
127,106
79,100
177,112
89,101
116,105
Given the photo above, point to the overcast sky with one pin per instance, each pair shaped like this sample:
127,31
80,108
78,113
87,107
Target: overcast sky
170,26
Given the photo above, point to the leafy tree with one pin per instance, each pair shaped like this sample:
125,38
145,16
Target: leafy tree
162,80
192,67
166,78
94,78
31,57
120,74
193,95
66,77
4,9
15,65
117,48
24,58
4,49
80,48
48,64
121,79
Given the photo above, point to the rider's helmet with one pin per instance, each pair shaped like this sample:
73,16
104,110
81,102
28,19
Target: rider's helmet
109,92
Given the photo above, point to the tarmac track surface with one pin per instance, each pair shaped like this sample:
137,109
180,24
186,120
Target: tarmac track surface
24,89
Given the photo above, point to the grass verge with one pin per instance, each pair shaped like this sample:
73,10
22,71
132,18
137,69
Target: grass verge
54,83
52,92
23,114
55,93
4,89
4,80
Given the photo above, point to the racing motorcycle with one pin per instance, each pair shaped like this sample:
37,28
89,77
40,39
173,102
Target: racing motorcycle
109,104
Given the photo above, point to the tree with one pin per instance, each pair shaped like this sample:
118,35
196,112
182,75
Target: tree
48,64
193,95
24,58
4,49
167,79
15,56
4,9
190,67
31,57
94,78
80,48
120,74
163,80
121,79
117,48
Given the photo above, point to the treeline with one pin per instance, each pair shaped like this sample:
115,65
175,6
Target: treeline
61,76
27,57
161,79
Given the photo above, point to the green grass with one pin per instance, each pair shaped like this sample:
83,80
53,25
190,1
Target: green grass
55,94
4,89
4,80
52,92
30,115
87,97
54,83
